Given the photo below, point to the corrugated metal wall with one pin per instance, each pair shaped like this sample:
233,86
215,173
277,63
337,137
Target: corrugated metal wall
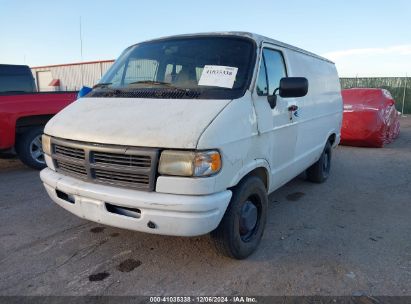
73,76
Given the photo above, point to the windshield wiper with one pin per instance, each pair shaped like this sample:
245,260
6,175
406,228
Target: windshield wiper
102,85
152,82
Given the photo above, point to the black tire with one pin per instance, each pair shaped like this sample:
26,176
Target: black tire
27,148
319,171
232,237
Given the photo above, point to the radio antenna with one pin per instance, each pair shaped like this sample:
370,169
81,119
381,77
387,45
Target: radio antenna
81,55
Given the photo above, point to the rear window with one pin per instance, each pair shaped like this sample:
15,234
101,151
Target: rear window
15,79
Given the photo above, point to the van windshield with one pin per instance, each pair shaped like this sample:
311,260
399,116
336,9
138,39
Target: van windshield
194,67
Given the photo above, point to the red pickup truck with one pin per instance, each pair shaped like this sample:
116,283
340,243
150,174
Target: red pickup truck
24,112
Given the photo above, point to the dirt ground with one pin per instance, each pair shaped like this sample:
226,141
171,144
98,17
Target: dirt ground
348,236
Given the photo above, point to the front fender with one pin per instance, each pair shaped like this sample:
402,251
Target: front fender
257,163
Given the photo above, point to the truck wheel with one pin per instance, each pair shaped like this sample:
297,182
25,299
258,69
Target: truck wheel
319,171
242,226
29,148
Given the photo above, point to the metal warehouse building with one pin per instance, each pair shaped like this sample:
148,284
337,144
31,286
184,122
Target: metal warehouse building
69,77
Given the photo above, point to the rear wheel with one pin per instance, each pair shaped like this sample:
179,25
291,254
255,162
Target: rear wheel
319,171
29,148
239,232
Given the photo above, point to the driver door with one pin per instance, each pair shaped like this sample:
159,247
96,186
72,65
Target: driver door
275,124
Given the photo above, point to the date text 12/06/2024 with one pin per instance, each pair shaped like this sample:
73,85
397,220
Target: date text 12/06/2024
203,299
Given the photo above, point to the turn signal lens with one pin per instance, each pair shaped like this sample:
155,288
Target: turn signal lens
207,163
46,143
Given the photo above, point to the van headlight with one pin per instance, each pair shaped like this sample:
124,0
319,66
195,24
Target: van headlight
188,163
46,143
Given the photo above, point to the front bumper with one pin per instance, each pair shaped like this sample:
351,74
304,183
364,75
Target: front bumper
160,213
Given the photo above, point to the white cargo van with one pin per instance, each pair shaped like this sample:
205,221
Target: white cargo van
187,135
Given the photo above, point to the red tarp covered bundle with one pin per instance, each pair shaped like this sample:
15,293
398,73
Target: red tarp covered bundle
370,118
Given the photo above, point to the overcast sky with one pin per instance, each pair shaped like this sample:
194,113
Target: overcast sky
364,38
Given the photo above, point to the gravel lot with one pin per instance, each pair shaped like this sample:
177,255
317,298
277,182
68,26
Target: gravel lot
349,236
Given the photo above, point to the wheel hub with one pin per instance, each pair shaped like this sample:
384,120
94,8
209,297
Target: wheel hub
248,218
36,150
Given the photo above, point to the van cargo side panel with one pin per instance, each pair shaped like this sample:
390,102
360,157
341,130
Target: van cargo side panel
320,111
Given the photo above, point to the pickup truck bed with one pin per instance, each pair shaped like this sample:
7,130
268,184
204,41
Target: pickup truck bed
22,119
24,113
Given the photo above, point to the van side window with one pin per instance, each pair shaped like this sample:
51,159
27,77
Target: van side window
275,69
262,85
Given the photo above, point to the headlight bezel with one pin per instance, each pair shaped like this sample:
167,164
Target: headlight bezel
189,163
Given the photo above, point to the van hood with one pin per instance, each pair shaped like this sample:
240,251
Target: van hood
165,123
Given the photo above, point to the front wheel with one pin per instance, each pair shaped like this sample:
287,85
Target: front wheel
239,232
29,148
319,171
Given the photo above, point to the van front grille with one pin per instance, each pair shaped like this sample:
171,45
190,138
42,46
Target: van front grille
121,177
142,161
121,166
72,168
69,152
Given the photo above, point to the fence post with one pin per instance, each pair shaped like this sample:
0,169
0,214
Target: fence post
403,96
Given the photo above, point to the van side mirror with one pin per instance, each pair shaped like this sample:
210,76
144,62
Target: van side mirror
293,87
289,87
272,99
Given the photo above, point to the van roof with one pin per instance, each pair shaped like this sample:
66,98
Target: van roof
256,37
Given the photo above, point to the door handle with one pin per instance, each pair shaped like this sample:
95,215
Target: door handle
293,108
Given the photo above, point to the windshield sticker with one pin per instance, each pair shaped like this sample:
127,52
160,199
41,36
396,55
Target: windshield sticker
218,76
